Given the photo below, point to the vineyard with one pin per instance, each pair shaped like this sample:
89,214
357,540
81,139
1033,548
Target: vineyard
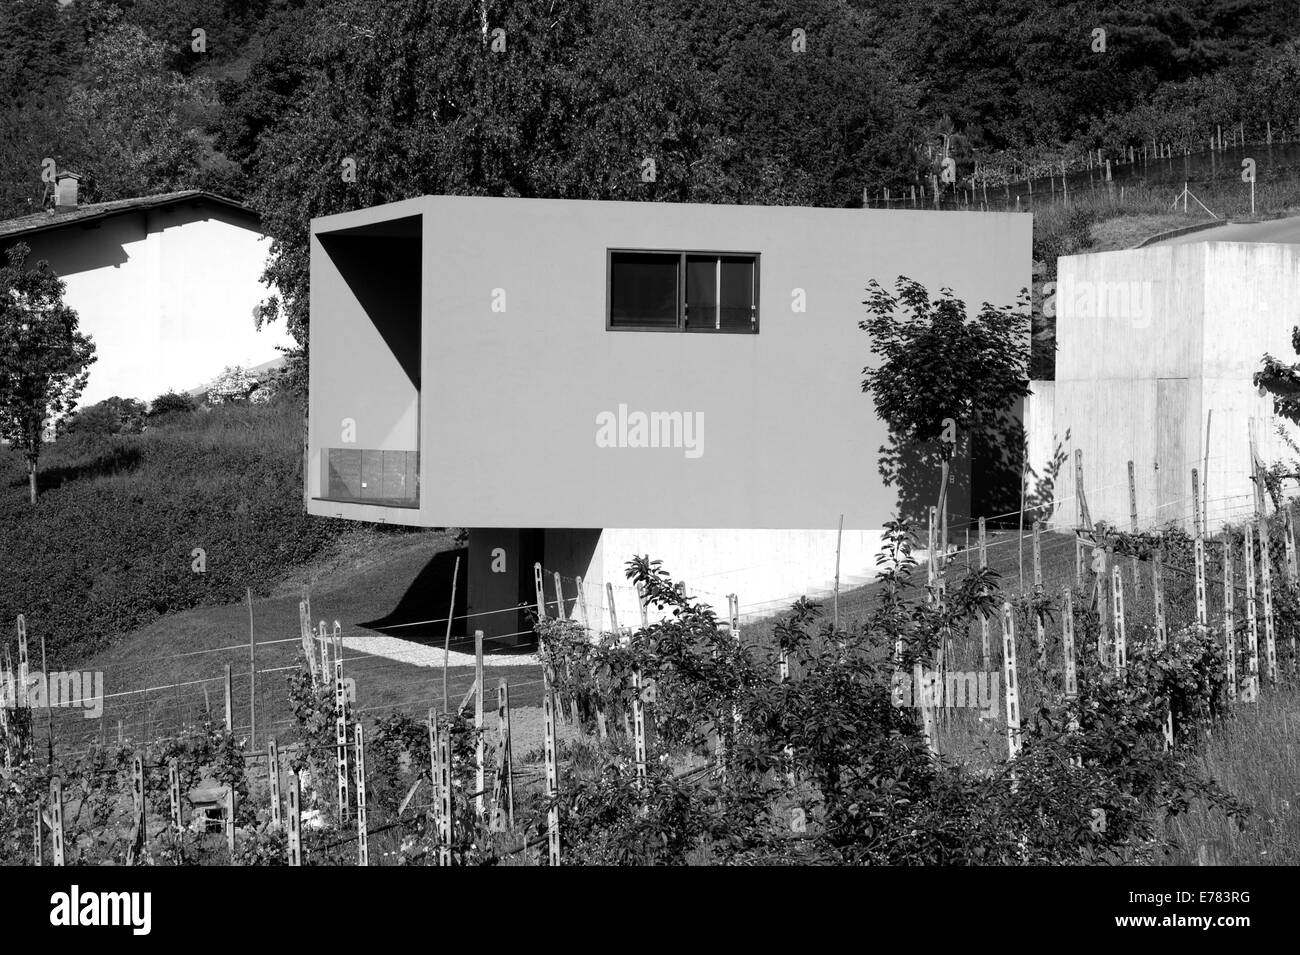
958,719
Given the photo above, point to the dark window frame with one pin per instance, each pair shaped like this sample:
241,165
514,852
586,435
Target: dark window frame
682,255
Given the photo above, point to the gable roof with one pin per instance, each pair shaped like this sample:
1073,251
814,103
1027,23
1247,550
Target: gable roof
45,221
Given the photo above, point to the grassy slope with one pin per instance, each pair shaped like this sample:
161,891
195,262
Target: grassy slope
363,578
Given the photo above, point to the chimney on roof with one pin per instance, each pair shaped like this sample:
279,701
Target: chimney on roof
65,190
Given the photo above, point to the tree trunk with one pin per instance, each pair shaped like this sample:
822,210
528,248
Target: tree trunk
31,479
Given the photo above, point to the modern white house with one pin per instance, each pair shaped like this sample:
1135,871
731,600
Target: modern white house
578,382
165,285
1157,349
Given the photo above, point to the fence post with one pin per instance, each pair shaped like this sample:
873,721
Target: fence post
1009,677
445,822
38,838
56,819
363,841
230,718
295,820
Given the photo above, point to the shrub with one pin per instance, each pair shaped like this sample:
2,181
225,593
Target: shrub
171,402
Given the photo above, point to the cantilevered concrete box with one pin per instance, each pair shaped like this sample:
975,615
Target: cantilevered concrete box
463,373
1157,346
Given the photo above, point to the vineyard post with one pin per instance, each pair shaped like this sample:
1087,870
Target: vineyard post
324,656
1158,591
1202,612
230,822
838,540
174,793
363,843
38,857
553,773
24,701
1067,645
504,788
480,768
559,597
984,617
273,778
1038,596
446,640
140,833
613,612
1121,633
638,727
1133,527
1229,631
1266,582
295,820
340,727
435,776
252,674
541,592
1009,677
1291,572
1250,689
582,607
304,630
733,605
1078,511
56,819
445,821
230,716
49,708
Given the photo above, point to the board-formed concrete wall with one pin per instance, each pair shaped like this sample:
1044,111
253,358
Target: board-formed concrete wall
1155,346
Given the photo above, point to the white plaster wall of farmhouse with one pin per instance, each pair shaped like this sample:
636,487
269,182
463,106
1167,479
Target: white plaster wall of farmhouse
166,293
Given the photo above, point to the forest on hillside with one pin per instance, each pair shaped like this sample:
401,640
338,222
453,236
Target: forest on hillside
749,101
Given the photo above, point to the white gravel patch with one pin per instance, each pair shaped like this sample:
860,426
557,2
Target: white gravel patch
419,655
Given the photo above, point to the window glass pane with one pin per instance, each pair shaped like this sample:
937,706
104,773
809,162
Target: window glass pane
701,293
737,292
643,289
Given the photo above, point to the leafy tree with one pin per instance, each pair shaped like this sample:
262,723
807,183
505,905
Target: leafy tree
582,95
132,122
43,356
945,385
1282,381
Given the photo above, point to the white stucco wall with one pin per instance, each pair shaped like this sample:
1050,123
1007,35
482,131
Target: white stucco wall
167,295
